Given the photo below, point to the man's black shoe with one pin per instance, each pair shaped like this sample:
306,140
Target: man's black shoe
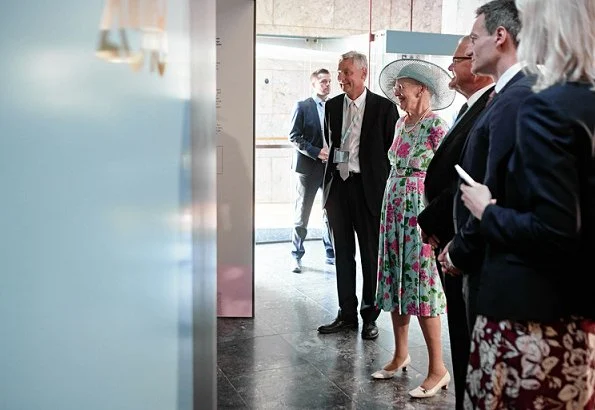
338,325
297,266
370,331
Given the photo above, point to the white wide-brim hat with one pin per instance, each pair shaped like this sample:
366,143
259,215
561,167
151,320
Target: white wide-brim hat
431,75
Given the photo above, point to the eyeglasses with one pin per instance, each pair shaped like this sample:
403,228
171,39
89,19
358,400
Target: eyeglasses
459,59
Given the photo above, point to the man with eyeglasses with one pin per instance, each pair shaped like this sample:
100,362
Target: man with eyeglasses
440,186
485,154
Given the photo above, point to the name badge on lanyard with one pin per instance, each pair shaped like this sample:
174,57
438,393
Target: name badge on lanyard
341,156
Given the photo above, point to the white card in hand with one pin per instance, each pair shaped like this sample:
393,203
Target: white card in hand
465,176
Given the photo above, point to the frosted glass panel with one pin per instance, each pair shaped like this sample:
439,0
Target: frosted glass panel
95,260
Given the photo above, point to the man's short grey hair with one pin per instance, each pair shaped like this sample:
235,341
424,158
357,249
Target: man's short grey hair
501,13
562,42
359,59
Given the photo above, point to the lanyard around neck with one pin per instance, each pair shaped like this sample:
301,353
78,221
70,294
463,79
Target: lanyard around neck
354,120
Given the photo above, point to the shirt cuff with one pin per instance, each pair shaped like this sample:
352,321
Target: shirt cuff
449,260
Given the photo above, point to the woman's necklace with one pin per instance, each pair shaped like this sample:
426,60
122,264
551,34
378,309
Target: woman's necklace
418,121
402,171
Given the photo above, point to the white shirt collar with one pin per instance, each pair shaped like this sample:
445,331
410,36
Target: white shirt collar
317,99
507,76
358,101
477,94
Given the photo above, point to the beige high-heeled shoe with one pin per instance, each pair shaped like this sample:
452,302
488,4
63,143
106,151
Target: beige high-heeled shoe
420,393
106,49
389,374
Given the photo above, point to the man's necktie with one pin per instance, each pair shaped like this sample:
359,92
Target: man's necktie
324,144
462,111
343,167
491,96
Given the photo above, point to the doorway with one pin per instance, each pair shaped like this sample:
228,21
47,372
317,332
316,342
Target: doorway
283,68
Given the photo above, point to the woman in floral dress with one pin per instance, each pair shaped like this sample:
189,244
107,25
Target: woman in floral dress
408,280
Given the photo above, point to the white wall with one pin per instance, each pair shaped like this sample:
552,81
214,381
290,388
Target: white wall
458,15
235,167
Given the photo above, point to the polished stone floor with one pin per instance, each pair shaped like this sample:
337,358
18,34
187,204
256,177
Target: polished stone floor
277,360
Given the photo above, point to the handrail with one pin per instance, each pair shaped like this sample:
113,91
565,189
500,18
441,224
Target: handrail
270,146
286,144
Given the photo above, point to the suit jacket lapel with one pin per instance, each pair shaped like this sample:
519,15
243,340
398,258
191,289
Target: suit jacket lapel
477,106
336,122
469,115
369,109
314,115
513,80
471,112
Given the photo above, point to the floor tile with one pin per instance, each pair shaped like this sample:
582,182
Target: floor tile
227,395
257,354
233,329
300,386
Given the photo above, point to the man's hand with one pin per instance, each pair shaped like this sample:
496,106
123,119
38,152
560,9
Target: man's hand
476,198
448,267
432,239
323,155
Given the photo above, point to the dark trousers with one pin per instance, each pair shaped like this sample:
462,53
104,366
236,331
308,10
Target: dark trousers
470,292
458,331
348,215
306,188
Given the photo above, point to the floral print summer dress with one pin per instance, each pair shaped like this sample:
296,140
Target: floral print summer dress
408,280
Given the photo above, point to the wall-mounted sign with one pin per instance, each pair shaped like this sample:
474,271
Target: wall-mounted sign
146,17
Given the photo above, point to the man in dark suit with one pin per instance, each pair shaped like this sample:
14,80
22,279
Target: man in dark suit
485,154
307,122
440,186
360,129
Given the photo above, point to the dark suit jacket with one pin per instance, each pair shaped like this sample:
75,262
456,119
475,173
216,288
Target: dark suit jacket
541,234
306,135
485,154
442,180
377,133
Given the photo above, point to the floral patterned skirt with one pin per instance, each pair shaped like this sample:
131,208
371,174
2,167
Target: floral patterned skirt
408,280
528,365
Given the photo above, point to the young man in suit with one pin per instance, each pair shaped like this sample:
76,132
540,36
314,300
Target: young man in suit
485,154
360,130
440,186
307,123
